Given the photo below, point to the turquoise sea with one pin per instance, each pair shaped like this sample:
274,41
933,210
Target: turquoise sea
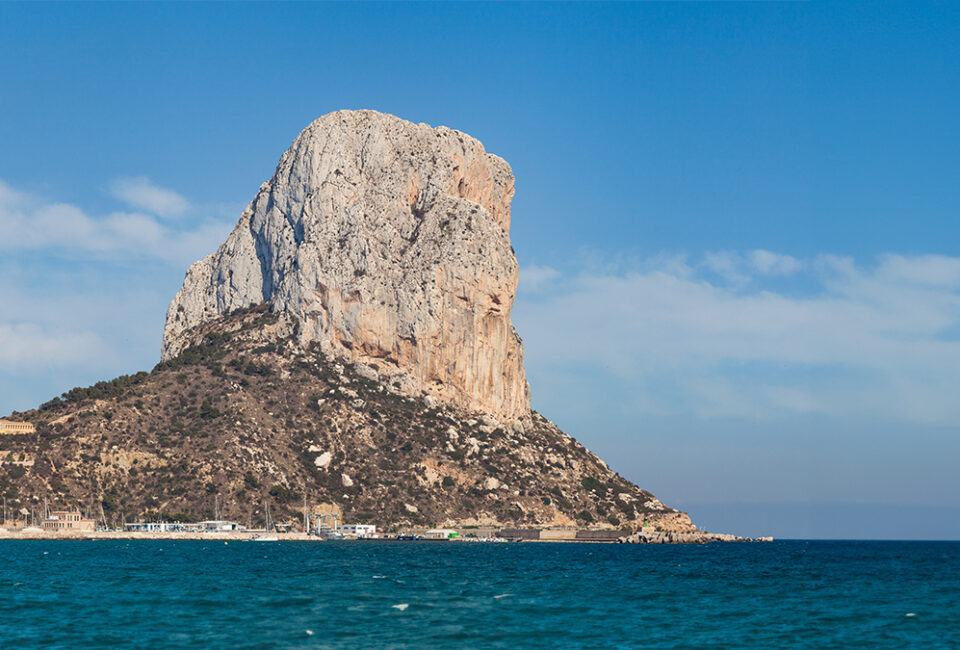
786,594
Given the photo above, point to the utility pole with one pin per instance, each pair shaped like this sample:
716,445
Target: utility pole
304,509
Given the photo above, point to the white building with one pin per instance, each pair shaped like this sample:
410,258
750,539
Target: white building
176,527
218,526
367,531
154,527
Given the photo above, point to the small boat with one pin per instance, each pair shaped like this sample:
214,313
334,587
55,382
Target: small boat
330,535
268,527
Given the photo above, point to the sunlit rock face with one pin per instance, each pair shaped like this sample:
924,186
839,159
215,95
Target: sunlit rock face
388,243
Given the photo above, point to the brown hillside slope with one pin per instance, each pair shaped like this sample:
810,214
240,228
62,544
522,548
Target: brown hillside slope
249,417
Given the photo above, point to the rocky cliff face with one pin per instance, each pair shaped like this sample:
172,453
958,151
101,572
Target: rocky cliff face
350,343
386,242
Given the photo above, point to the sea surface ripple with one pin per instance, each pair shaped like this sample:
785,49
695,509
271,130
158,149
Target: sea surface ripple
789,594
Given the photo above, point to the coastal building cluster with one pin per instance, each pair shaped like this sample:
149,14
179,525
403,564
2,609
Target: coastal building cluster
319,525
55,521
326,526
213,526
66,520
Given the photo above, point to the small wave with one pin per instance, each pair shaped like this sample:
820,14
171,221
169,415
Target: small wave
909,614
499,596
379,577
309,632
401,606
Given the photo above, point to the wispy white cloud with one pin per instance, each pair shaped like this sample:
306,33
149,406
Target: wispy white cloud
729,266
923,270
84,294
66,325
534,278
741,269
36,223
769,263
715,337
32,347
68,322
141,193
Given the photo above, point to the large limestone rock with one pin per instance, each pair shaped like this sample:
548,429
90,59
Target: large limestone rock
387,242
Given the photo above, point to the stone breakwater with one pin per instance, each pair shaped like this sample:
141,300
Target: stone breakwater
698,537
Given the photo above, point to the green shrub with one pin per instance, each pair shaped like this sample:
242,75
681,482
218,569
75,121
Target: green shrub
100,390
282,494
208,411
591,484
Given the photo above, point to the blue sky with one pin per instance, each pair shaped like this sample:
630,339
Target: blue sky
736,223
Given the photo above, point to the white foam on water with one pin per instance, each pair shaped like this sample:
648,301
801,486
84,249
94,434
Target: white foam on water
401,606
499,596
909,614
379,577
309,632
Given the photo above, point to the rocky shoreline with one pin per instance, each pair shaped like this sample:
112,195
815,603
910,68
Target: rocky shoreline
699,537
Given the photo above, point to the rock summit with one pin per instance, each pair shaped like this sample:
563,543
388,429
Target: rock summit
387,242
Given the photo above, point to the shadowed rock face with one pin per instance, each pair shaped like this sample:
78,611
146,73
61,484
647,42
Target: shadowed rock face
387,242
